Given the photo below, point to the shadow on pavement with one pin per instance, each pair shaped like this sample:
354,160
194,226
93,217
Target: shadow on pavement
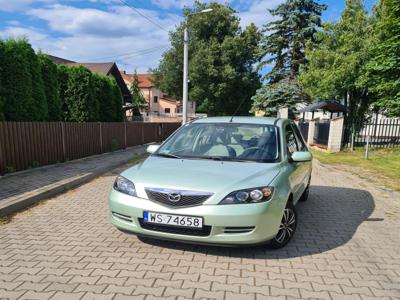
327,220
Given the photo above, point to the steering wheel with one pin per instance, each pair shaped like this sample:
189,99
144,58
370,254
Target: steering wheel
248,150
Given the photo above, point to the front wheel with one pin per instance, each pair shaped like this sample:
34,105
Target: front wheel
287,227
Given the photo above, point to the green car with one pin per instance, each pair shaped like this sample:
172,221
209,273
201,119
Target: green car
220,180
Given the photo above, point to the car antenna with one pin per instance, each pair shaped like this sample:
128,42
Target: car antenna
237,109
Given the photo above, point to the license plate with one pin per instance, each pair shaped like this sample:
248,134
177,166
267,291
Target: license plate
173,220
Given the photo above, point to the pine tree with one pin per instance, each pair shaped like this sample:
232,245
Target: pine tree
283,45
285,38
51,89
137,97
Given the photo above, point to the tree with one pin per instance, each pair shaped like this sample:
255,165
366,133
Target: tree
16,82
103,92
383,70
82,105
222,56
271,96
284,45
62,78
285,38
137,97
117,99
51,89
2,59
39,110
335,67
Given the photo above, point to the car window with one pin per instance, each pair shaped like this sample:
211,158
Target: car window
224,141
299,138
291,141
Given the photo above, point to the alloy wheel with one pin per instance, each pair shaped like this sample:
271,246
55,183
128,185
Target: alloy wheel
287,226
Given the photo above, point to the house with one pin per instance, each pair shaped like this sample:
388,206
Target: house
157,102
109,69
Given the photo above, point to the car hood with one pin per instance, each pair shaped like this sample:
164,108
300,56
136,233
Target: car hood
219,178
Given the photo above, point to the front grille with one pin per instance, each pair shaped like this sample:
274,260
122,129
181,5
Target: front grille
205,231
187,198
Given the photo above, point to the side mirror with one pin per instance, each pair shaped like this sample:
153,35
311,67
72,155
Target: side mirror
300,156
152,148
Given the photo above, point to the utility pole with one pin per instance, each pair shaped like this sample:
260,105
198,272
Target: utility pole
186,64
185,72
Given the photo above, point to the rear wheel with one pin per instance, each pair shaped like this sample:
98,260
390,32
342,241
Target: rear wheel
287,227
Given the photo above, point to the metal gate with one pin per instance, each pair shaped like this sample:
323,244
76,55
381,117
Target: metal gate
303,127
321,132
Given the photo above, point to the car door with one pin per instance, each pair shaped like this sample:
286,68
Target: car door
304,168
295,176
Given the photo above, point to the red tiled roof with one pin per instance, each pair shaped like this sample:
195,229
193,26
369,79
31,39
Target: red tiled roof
144,79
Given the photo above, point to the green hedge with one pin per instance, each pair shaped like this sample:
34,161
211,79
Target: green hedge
33,88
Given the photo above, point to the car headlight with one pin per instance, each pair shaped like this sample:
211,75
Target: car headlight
254,195
125,186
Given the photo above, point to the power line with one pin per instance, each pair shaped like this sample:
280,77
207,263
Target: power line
130,53
142,14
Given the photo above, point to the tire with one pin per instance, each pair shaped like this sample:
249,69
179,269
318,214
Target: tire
287,228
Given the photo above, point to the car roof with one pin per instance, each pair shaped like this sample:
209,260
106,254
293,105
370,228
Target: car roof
242,120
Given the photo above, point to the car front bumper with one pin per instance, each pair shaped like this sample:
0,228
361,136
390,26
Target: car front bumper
260,221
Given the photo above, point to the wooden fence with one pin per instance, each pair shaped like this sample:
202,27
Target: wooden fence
25,145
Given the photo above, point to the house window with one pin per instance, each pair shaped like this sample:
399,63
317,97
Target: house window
167,110
155,99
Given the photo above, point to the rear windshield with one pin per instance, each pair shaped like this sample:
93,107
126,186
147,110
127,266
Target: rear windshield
223,141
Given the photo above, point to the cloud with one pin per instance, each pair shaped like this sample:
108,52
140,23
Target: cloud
20,5
166,4
89,34
257,12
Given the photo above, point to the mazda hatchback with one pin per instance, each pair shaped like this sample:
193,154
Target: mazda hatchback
222,180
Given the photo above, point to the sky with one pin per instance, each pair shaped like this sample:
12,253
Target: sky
108,30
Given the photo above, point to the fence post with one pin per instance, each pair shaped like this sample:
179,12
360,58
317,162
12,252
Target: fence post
352,140
126,146
367,148
64,146
101,138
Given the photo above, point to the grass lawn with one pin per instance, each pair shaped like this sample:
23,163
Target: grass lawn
383,165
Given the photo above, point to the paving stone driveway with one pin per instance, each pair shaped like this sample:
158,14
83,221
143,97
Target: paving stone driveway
347,247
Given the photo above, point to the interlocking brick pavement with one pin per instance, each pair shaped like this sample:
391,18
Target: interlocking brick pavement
346,247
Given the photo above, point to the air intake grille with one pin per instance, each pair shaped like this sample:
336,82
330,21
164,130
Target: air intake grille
205,231
177,198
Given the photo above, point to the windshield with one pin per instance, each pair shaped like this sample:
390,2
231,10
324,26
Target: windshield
223,141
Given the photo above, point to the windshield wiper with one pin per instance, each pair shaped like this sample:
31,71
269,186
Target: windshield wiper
207,157
168,155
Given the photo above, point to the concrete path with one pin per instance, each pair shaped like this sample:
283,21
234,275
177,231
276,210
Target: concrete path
22,189
346,247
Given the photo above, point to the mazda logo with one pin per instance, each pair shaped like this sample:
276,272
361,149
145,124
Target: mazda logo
174,197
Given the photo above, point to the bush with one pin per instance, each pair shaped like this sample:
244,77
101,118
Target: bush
40,110
62,78
51,89
117,102
79,98
16,82
103,92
